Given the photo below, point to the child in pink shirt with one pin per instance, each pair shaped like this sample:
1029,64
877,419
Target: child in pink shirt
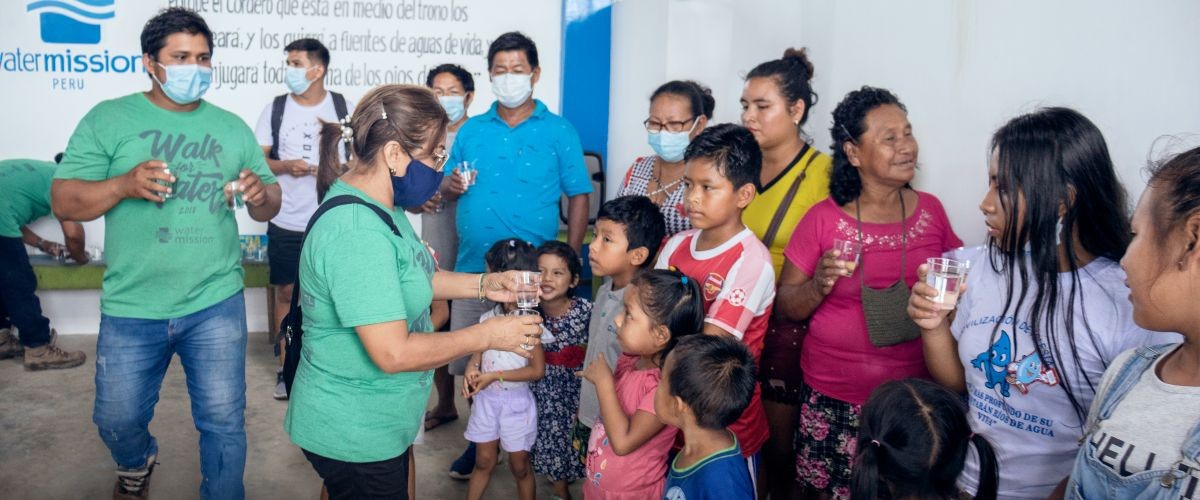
628,447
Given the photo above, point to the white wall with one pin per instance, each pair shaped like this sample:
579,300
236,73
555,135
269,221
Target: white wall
962,68
43,106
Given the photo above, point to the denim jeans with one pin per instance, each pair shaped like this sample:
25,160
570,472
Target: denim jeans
132,356
19,304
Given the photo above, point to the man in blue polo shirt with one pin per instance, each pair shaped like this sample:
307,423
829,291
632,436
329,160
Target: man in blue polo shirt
525,158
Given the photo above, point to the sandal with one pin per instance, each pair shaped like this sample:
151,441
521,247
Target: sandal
432,422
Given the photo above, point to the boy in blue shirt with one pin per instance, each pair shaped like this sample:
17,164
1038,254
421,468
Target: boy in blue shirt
707,382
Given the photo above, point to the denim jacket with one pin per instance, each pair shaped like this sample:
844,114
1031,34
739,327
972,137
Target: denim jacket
1090,479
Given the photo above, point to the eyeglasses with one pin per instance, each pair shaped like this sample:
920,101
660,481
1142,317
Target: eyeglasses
655,127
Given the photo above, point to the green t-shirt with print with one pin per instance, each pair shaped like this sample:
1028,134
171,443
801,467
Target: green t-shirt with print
354,272
171,259
24,194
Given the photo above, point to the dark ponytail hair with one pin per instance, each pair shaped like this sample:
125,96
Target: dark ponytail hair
913,441
511,254
793,74
672,300
1177,184
568,255
698,96
849,124
1055,157
414,118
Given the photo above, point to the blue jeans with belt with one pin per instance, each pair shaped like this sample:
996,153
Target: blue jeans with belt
132,356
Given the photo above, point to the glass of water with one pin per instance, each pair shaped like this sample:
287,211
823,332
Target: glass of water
849,252
167,183
946,276
467,173
233,196
528,288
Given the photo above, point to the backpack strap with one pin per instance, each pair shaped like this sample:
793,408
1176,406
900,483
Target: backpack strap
276,122
330,204
339,107
781,211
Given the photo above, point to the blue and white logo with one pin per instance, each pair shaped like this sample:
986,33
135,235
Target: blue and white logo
72,21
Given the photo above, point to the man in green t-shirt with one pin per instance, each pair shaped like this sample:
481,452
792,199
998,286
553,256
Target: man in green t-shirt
24,198
166,170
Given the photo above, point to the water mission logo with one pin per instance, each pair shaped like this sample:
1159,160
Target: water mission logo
72,21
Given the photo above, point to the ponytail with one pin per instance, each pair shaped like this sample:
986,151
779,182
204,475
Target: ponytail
989,474
865,479
329,166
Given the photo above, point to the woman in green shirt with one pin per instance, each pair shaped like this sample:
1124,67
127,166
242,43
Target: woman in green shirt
364,376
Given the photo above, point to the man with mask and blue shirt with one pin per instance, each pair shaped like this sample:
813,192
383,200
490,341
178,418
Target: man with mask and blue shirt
525,159
289,132
163,168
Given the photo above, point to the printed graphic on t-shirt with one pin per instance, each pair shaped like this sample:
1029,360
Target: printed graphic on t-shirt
303,136
1126,459
1004,368
199,185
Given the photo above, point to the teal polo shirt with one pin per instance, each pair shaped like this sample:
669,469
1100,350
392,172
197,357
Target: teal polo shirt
523,172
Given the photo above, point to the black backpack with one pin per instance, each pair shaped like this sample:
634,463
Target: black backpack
339,107
292,325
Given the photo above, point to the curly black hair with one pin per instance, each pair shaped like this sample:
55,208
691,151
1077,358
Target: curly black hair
849,124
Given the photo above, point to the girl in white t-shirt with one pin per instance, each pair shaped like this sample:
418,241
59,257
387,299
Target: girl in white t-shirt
1143,433
1044,311
504,412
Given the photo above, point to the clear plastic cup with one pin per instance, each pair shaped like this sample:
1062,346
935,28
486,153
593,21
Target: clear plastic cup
467,173
528,284
233,196
946,276
849,251
167,183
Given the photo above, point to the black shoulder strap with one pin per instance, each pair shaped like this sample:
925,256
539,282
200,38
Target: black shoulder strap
330,204
276,122
339,107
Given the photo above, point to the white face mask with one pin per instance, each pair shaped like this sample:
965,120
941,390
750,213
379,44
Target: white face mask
512,89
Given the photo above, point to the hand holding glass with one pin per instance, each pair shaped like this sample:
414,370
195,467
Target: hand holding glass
946,276
233,196
849,253
528,288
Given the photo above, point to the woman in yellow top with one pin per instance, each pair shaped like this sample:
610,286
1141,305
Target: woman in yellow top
775,103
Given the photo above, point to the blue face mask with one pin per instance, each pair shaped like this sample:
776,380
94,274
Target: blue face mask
186,83
297,80
454,106
418,185
669,146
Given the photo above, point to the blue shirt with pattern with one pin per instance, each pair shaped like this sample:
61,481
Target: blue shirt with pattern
522,173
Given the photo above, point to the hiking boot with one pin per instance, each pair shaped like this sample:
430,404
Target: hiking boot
280,387
50,357
10,347
464,464
134,484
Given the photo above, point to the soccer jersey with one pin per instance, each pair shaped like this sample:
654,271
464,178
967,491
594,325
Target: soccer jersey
738,286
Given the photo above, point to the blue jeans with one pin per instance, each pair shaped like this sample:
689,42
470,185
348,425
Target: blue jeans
132,356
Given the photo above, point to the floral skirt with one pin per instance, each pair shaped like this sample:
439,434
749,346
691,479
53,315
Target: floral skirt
826,438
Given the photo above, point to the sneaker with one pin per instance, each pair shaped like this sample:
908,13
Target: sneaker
464,464
280,387
10,347
133,484
50,357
